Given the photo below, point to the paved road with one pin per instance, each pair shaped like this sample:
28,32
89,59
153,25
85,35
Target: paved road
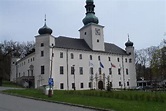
12,103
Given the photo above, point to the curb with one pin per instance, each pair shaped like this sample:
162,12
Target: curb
58,102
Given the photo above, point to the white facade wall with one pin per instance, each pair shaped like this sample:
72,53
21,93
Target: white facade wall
24,66
67,78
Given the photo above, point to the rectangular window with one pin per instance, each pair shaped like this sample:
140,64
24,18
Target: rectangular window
110,70
72,70
120,84
128,84
61,86
118,59
52,54
126,60
73,85
130,60
119,71
72,56
42,53
91,70
81,70
42,69
61,54
90,57
109,58
127,71
99,70
90,84
80,56
42,44
99,58
82,85
61,69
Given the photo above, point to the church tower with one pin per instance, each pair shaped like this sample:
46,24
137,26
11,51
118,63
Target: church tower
91,32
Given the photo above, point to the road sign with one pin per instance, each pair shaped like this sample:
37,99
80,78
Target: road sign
51,81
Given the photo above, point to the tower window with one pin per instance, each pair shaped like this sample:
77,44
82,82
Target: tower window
61,69
42,44
97,40
42,69
90,57
42,54
85,33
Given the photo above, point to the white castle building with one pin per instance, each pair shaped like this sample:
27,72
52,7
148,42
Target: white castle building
77,63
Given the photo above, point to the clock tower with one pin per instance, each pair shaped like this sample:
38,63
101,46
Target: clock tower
91,32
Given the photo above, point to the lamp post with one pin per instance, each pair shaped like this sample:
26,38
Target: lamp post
74,77
51,82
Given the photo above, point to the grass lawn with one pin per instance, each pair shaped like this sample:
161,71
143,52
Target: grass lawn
9,84
118,101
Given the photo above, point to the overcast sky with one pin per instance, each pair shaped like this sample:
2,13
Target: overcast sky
144,20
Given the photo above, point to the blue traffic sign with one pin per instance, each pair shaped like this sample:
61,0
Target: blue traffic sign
51,81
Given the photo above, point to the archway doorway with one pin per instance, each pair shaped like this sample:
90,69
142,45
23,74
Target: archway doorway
100,85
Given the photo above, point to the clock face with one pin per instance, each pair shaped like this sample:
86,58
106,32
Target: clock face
97,31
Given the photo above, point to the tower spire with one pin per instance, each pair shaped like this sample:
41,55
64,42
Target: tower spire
90,14
128,43
45,18
45,29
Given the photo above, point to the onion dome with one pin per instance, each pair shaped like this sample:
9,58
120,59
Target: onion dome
90,14
45,29
129,43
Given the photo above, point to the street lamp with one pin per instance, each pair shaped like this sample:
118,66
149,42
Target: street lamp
51,81
74,77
